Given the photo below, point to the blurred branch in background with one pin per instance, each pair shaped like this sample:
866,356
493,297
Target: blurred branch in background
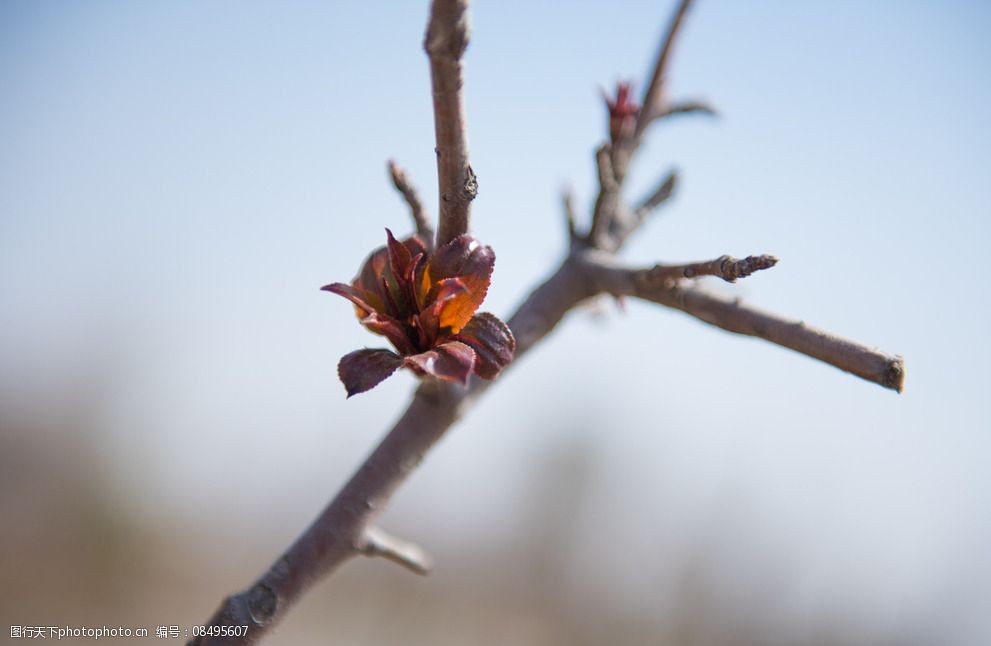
345,528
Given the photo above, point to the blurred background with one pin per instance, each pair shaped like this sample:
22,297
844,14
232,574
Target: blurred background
177,180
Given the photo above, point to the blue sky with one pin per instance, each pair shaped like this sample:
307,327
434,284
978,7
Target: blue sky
178,179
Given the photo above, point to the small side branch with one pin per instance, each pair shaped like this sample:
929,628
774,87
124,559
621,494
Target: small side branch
445,43
420,218
568,205
654,99
687,107
735,316
726,267
409,555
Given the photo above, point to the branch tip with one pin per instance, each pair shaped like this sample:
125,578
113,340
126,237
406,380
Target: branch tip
402,552
568,204
653,98
726,267
894,376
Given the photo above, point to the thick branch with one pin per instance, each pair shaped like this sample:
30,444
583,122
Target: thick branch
420,218
445,43
625,222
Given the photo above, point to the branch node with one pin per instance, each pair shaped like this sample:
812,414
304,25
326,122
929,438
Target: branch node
687,107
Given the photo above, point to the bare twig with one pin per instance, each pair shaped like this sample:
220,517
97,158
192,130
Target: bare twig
420,218
445,43
611,224
409,555
726,267
625,222
734,316
660,195
687,107
568,205
654,97
340,532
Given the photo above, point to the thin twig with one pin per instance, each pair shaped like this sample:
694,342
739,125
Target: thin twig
420,218
687,107
726,267
653,99
568,205
607,202
338,534
445,43
734,316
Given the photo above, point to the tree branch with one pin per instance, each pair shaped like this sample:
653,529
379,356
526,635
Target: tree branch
654,97
568,205
726,267
687,107
445,43
420,218
734,316
344,529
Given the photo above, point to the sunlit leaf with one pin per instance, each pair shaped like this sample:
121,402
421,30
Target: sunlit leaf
470,261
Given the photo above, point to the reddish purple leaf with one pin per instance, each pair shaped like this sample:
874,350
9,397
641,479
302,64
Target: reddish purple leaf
362,370
451,361
391,329
369,279
347,291
492,341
